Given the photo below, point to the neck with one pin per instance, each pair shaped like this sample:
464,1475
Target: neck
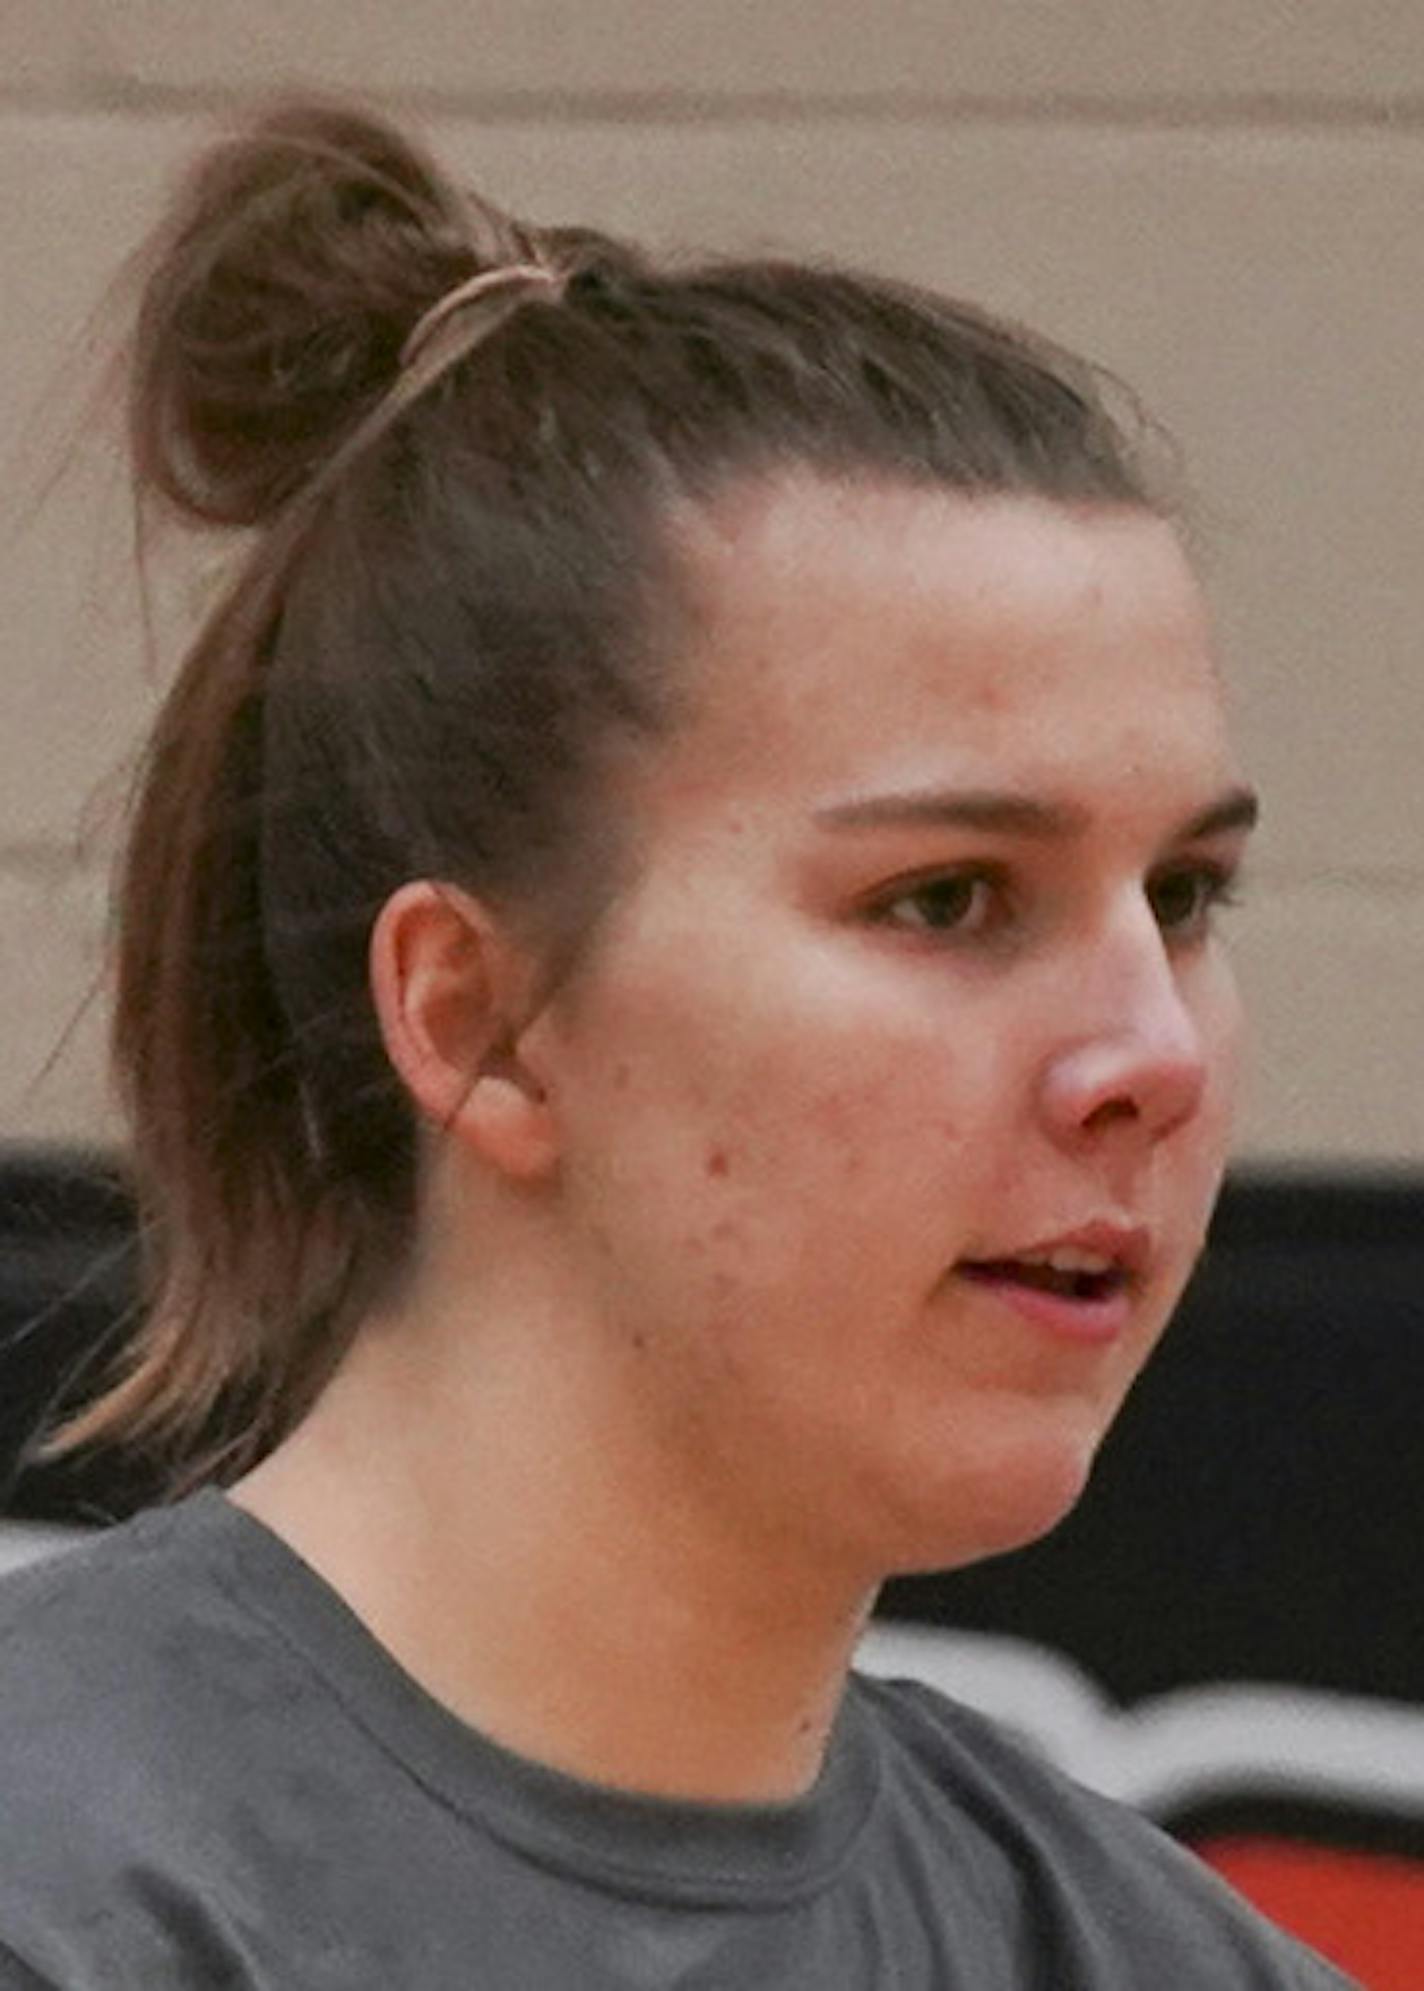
512,1536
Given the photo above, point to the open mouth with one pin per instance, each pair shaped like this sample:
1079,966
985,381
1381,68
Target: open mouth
1065,1282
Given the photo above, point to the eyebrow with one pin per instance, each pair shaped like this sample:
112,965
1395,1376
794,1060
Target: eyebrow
1239,809
1016,815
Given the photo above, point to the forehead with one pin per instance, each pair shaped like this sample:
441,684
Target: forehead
843,633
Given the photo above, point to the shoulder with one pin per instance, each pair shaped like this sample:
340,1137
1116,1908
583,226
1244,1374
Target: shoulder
131,1662
1114,1887
129,1683
95,1645
98,1638
80,1626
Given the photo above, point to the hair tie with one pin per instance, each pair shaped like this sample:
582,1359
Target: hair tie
426,326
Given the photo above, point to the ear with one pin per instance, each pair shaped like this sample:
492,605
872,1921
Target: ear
449,986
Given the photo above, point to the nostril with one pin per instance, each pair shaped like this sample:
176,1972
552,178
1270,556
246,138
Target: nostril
1110,1111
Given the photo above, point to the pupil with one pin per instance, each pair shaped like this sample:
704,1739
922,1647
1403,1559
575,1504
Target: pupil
1175,900
947,901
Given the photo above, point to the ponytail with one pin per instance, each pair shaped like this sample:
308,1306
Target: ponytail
221,1151
298,260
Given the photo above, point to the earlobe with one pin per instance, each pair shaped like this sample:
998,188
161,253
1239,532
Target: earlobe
507,1120
447,984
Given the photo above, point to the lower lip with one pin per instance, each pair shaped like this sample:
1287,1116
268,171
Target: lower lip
1093,1322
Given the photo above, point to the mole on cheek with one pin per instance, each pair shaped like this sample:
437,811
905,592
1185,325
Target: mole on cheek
718,1162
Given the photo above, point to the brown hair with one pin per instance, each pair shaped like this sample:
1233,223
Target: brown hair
456,598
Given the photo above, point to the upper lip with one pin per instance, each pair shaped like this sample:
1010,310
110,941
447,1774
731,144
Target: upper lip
1127,1246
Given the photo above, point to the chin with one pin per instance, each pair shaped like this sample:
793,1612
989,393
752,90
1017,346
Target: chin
1007,1501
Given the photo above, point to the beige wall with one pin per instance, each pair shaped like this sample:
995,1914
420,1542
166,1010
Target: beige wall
1224,200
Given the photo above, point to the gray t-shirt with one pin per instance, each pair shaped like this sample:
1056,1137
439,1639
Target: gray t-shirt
211,1775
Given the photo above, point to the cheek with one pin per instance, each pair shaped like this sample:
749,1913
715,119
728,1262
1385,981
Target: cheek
824,1172
783,1126
769,1131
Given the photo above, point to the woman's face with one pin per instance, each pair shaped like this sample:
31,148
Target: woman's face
894,1094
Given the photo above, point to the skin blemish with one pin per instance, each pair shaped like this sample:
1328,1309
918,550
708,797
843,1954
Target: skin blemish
991,697
621,1076
717,1161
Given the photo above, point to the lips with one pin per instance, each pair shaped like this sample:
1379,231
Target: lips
1104,1247
1070,1283
1081,1280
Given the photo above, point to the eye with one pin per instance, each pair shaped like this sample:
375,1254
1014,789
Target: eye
1184,898
949,902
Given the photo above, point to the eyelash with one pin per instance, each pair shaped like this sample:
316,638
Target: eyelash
983,901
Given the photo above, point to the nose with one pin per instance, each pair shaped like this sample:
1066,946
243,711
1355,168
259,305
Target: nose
1130,1061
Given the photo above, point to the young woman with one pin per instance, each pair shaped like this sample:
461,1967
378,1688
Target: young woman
679,1057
